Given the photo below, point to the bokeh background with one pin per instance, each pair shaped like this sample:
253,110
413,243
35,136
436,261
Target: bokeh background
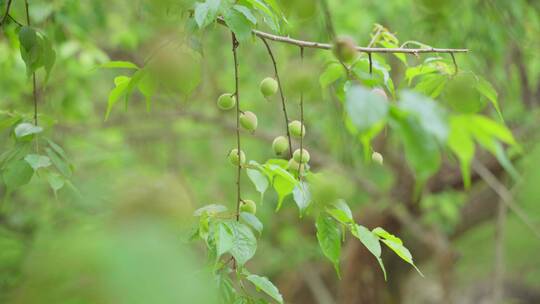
120,231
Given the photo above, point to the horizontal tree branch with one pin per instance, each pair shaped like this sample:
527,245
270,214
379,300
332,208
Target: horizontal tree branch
328,46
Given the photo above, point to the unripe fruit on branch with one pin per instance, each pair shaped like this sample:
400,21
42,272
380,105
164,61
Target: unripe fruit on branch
280,145
235,159
380,92
248,120
268,86
297,129
248,206
377,157
345,49
226,101
293,166
301,157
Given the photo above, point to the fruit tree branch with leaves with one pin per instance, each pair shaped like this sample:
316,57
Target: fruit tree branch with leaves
370,107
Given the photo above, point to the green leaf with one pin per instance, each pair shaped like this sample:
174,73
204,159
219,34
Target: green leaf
32,58
275,7
462,95
485,88
365,108
223,238
211,209
56,181
277,162
119,65
17,174
271,11
329,237
505,162
134,83
368,238
283,187
466,128
36,51
371,241
238,23
419,70
56,148
8,121
332,73
421,149
395,243
24,130
226,289
259,180
244,242
482,127
282,181
252,221
246,12
302,196
341,212
27,37
461,143
379,76
37,161
49,56
18,152
431,116
122,83
261,6
147,87
206,13
262,283
60,163
432,85
391,45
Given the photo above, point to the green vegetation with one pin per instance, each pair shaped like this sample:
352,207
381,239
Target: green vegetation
156,151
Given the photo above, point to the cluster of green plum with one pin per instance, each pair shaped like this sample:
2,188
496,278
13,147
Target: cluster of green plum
248,120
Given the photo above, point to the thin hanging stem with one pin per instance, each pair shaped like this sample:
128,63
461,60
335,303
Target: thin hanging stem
276,74
456,69
301,115
34,89
237,96
34,86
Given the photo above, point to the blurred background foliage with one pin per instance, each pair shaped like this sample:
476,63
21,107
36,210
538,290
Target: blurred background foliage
139,175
